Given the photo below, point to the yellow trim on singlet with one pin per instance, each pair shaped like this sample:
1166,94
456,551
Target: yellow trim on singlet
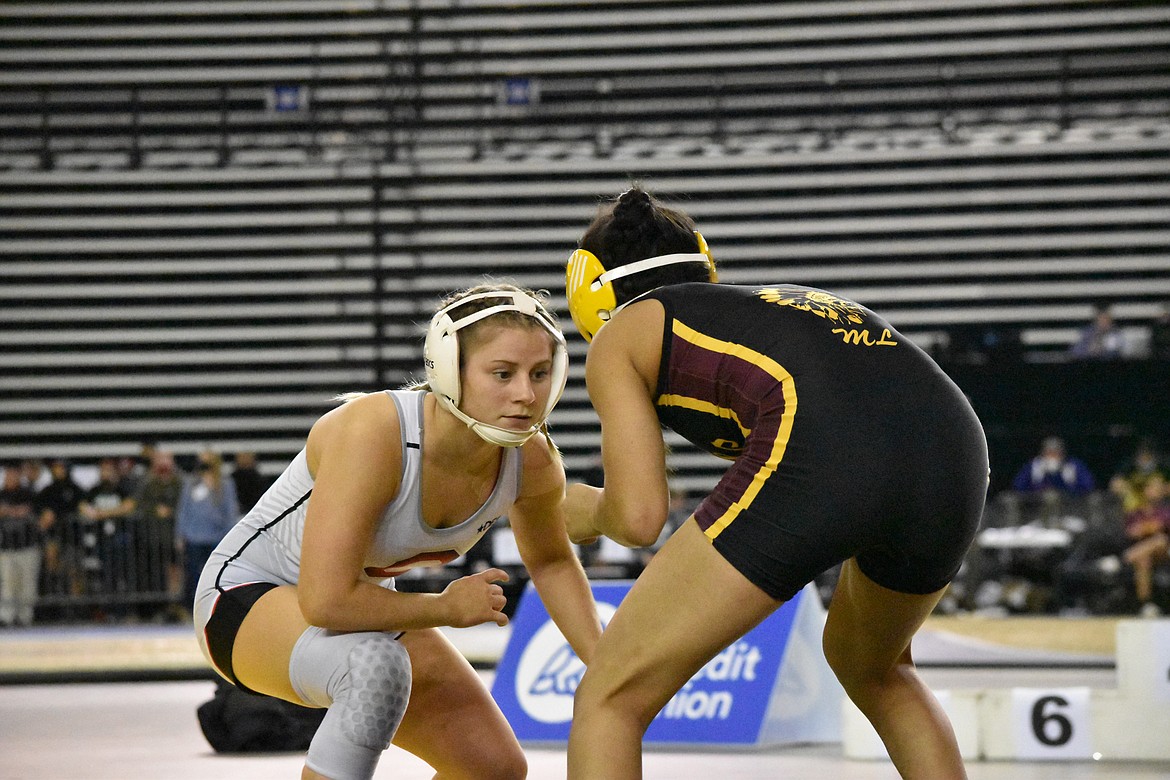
699,405
779,445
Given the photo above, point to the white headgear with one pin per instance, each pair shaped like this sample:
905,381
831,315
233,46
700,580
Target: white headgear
441,358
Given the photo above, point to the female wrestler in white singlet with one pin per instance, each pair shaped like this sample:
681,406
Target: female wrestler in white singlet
298,600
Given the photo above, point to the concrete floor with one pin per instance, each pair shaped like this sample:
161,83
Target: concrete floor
95,731
98,728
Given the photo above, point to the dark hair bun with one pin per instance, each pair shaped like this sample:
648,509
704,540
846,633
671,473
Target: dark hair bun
632,206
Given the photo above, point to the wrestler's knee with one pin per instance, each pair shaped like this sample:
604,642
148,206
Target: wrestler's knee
503,765
379,690
853,666
364,680
615,696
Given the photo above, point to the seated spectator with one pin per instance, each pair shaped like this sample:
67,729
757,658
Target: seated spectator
1149,526
1101,339
33,474
1049,487
1054,469
1091,577
1129,483
1050,502
20,550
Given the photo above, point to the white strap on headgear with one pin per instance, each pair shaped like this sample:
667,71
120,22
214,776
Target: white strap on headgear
637,267
441,358
645,265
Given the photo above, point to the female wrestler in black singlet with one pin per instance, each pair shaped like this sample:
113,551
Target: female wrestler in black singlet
849,444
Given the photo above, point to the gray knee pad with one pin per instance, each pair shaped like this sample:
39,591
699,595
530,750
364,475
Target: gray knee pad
364,680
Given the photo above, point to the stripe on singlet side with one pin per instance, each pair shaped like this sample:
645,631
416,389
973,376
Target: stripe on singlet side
783,433
256,535
706,407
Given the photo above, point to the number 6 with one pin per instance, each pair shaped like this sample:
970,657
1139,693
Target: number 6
1041,721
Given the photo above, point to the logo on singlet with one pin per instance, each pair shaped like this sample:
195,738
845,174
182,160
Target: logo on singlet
834,310
828,307
855,337
727,445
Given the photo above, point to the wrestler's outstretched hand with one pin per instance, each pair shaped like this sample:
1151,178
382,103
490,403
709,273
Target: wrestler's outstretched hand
475,599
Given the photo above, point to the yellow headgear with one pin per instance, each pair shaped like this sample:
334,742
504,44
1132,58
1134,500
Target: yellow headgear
589,287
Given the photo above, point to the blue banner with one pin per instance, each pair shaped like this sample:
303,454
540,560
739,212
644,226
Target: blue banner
726,702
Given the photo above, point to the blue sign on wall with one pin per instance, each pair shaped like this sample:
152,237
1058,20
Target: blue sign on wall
727,702
285,98
519,91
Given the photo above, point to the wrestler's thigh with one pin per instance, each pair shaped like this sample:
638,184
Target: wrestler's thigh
686,606
452,722
265,643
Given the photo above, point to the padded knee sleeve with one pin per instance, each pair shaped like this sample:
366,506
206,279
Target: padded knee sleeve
364,680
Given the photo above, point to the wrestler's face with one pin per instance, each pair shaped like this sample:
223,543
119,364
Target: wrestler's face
507,375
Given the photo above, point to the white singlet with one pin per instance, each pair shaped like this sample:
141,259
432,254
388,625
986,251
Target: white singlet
265,546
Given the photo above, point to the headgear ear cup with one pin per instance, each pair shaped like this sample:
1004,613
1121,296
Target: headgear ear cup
441,357
441,360
589,286
711,271
589,302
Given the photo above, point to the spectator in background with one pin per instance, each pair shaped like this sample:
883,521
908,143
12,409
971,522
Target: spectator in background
1129,482
132,469
104,514
157,501
248,481
1054,469
207,510
1149,526
33,474
1101,339
57,504
20,550
1051,485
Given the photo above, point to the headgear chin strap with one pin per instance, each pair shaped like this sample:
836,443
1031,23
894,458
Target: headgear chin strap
441,358
589,286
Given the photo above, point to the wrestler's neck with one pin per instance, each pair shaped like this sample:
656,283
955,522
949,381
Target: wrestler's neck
450,442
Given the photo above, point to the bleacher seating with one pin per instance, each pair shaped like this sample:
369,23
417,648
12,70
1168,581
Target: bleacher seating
217,216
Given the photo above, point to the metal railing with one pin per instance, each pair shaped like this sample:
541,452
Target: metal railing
129,568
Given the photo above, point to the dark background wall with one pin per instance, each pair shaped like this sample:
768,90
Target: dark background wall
216,216
1101,409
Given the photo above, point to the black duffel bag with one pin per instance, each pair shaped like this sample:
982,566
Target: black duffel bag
234,721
